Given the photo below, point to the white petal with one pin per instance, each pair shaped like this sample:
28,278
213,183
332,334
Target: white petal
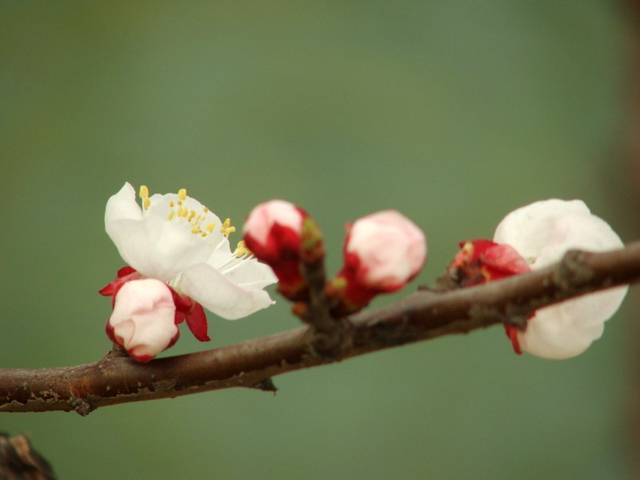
558,334
532,228
122,206
154,243
542,233
250,273
220,295
123,223
221,255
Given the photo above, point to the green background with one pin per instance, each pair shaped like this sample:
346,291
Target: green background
453,112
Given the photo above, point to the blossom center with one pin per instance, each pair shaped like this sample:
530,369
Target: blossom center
182,210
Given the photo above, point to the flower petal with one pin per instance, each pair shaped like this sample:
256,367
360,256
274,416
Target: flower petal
214,291
542,233
122,206
250,273
155,243
531,228
556,333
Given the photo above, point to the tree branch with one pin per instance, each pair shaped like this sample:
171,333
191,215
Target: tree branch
423,315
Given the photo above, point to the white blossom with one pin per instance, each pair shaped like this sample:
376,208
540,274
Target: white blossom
542,233
179,241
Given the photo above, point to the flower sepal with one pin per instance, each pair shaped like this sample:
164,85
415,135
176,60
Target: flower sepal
192,312
480,261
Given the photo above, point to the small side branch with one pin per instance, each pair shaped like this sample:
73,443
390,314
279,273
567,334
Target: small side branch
250,364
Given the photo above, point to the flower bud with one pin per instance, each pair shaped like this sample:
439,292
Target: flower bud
480,261
143,318
382,253
543,232
273,233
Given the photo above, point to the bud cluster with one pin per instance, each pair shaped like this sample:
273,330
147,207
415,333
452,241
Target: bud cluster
181,262
382,253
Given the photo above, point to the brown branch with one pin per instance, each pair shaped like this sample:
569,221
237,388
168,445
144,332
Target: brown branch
423,315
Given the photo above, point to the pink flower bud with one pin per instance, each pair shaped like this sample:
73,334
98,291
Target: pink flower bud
272,233
143,318
382,253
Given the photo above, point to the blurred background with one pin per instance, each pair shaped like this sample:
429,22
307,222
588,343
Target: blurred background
453,112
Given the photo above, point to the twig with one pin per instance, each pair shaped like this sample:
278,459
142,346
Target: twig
19,461
421,316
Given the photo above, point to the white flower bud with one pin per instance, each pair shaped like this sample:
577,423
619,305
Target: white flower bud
143,318
387,250
542,233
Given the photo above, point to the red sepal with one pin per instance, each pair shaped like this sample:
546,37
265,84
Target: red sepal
193,313
124,271
197,323
512,334
124,275
480,261
140,358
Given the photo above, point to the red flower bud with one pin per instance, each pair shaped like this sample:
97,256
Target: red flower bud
481,261
273,233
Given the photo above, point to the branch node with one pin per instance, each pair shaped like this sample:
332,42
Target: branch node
266,385
573,271
81,406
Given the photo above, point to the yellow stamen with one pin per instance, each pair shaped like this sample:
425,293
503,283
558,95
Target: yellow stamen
227,228
172,204
241,249
144,195
192,214
172,215
182,212
182,194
